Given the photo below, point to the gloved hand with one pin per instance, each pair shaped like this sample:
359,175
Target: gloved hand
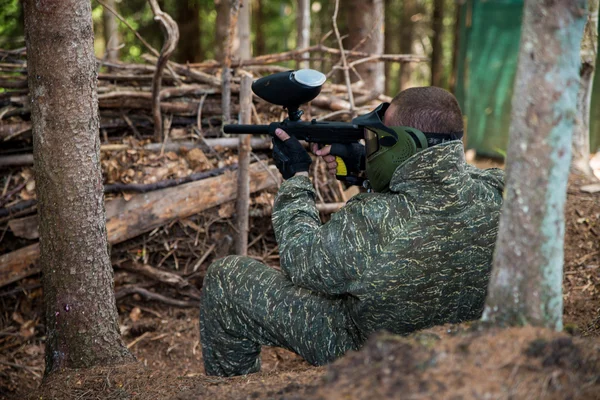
289,155
353,154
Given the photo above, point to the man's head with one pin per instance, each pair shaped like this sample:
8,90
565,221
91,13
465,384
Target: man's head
428,109
416,119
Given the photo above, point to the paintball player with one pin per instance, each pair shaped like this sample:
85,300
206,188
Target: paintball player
414,252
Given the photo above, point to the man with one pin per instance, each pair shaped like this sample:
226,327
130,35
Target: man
415,253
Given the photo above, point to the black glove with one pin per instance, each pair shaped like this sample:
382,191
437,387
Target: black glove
290,157
353,154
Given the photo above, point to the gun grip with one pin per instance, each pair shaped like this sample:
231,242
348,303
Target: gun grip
341,169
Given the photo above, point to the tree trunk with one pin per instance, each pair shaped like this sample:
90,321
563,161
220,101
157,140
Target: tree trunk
406,40
437,53
365,28
244,25
221,28
81,315
390,44
188,19
303,28
260,47
526,281
242,203
589,52
111,32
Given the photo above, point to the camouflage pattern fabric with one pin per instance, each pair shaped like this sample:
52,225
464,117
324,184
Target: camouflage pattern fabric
403,260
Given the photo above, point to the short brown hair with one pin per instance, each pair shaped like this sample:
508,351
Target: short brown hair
428,109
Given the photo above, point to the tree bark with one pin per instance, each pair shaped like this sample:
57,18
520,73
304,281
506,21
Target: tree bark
188,19
303,30
111,32
258,16
526,281
409,9
589,52
243,190
81,315
390,43
221,28
365,26
245,51
437,26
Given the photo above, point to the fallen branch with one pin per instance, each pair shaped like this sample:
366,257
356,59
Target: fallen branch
146,211
225,143
171,31
148,295
146,270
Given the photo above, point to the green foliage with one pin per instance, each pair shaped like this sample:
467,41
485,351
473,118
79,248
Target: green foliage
11,24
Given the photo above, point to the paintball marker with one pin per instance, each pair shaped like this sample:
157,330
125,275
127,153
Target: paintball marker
291,89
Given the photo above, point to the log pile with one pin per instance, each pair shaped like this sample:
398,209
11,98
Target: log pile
170,203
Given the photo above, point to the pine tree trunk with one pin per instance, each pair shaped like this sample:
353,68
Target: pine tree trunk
221,28
365,24
80,309
188,19
406,40
244,30
259,39
111,32
303,28
437,26
390,45
526,282
589,52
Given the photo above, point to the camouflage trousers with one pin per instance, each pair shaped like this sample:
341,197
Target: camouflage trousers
246,304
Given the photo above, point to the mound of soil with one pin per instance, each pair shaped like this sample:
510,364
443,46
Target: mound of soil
476,363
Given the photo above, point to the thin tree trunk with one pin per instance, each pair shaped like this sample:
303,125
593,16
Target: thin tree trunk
526,281
243,183
111,32
259,28
81,315
390,43
365,27
406,40
455,47
229,51
589,52
245,48
303,28
188,19
437,26
221,28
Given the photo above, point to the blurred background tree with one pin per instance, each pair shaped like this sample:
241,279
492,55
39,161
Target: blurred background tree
472,46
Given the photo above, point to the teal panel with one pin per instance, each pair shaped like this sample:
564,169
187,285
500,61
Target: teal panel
489,39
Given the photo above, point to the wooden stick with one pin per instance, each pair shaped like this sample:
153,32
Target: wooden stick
256,143
343,55
243,198
166,277
146,211
226,72
148,295
171,31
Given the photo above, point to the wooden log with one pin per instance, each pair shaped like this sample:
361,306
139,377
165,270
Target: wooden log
226,143
146,211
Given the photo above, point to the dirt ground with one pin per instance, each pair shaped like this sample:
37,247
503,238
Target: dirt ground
451,362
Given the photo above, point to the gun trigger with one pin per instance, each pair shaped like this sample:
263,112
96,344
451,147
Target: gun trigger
341,169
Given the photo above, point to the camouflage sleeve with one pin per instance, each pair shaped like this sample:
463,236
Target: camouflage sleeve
320,257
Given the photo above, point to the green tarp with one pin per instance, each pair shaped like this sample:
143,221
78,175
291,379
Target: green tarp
490,32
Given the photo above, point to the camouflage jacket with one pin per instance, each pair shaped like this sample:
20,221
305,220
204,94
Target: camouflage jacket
417,256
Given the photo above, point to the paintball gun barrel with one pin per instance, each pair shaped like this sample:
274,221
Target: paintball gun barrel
291,89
